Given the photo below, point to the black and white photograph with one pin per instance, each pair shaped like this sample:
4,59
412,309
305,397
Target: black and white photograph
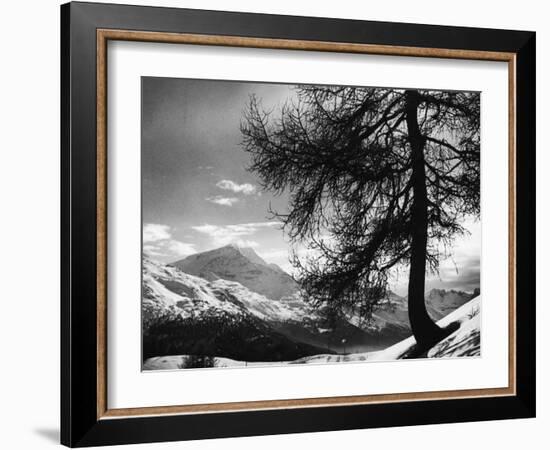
288,224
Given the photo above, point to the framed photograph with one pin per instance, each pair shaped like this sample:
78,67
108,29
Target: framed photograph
276,224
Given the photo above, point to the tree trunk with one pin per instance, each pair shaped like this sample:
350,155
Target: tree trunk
425,331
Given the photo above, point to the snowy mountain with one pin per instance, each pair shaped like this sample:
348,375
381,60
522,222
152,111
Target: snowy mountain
245,266
392,317
173,298
441,302
185,313
241,264
229,302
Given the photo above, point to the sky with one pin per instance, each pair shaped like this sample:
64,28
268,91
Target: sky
197,193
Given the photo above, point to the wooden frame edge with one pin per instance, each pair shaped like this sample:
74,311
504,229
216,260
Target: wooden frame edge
290,44
101,223
262,405
512,200
103,36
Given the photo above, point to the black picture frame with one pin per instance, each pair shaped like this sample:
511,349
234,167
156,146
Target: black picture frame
80,425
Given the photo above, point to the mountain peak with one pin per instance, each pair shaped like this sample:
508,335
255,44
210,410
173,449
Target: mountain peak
232,245
234,262
249,253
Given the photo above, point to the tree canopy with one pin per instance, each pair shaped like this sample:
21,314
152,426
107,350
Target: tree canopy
377,178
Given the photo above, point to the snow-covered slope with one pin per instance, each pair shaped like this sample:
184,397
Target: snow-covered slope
167,288
233,263
221,316
243,265
168,291
170,294
465,341
273,295
468,318
441,302
185,313
392,316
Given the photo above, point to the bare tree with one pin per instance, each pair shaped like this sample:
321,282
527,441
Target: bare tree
378,179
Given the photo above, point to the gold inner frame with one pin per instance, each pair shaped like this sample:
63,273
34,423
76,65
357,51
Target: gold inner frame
104,35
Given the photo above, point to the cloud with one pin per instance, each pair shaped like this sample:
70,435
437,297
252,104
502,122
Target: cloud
153,250
228,185
158,241
153,232
228,234
224,201
246,243
274,253
181,248
465,275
